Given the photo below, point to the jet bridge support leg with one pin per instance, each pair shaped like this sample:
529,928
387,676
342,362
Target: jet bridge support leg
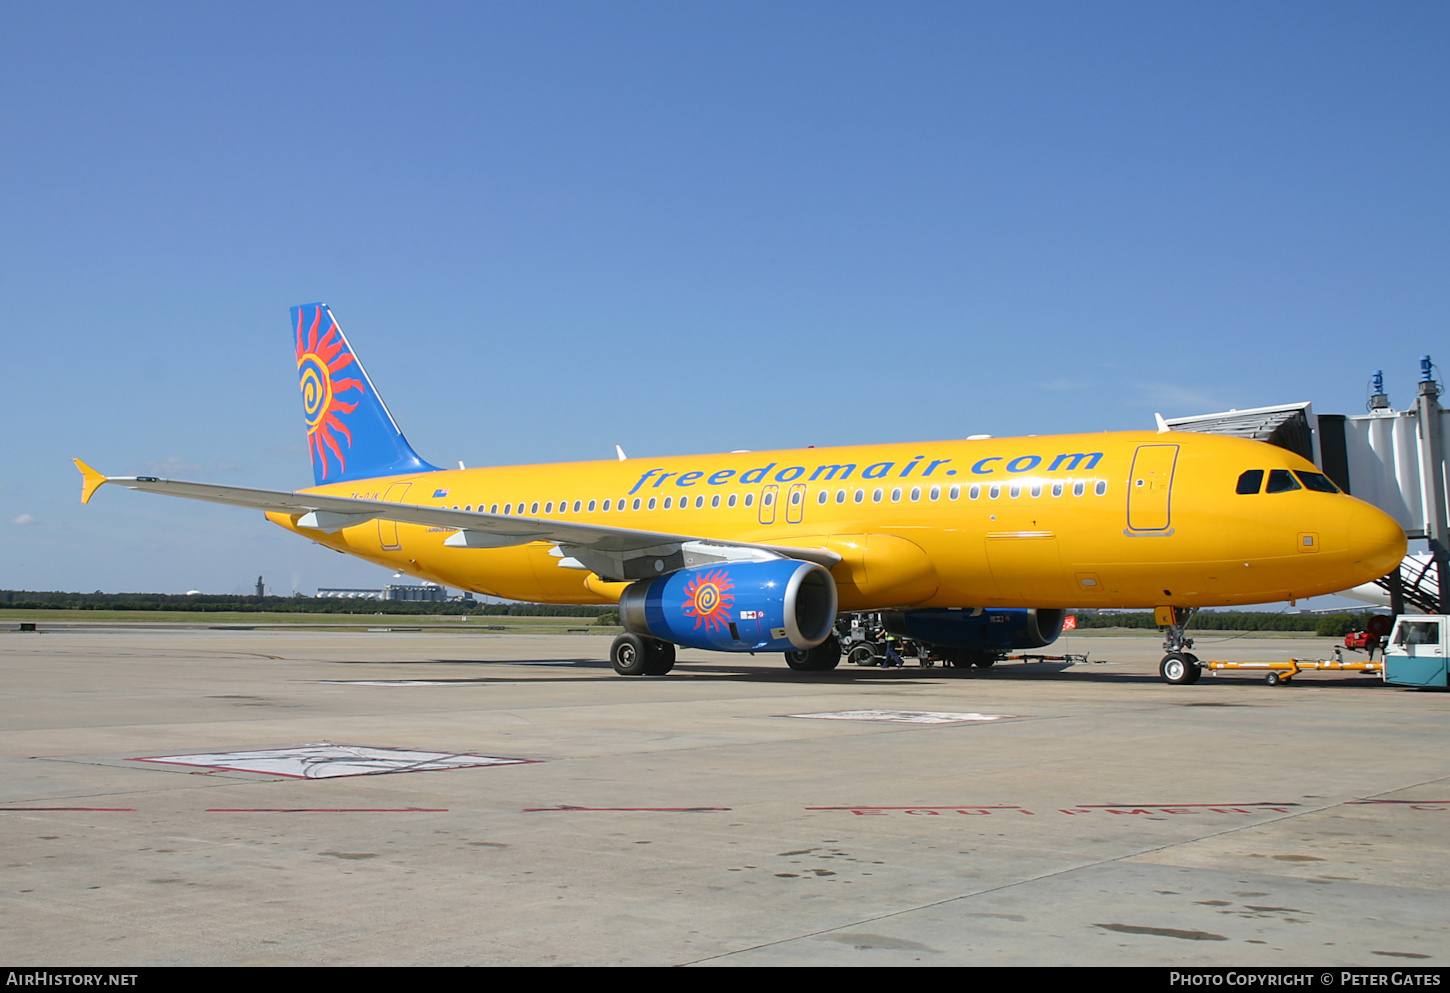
1179,666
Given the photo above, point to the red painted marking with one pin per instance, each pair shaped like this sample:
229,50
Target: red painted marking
1160,806
1111,808
327,810
662,810
114,810
963,806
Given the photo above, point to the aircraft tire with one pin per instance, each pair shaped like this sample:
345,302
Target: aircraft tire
984,661
828,654
661,658
1177,670
1194,669
630,655
823,658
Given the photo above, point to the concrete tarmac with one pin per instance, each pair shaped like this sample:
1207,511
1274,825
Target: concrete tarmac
1101,817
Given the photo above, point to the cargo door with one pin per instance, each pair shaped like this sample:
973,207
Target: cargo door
388,530
1150,488
1027,567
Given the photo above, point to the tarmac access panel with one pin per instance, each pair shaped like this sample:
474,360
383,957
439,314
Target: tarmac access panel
201,797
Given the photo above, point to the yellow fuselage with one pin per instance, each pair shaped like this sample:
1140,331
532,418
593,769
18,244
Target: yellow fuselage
1093,520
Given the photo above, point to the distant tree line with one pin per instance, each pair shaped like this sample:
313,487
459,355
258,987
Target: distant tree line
213,603
1324,625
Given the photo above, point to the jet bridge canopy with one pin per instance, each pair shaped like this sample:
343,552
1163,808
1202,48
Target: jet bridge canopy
1289,426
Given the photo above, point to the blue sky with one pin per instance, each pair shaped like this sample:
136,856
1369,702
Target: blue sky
553,227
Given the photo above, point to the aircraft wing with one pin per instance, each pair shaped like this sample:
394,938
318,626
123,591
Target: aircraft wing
614,553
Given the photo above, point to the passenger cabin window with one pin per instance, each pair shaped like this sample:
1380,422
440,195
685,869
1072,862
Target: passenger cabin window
1281,481
1250,482
1316,481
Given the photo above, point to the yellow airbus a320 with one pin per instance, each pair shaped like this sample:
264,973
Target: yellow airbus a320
972,545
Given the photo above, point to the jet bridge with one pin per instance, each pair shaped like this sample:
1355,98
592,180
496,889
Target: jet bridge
1392,459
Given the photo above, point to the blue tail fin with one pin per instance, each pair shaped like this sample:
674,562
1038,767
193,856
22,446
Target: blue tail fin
350,434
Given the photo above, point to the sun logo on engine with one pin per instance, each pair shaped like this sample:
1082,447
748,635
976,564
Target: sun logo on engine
708,600
319,358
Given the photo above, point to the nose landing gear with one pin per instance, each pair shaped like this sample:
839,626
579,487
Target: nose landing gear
1179,667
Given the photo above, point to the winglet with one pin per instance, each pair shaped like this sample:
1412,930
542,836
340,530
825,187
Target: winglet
90,480
1163,427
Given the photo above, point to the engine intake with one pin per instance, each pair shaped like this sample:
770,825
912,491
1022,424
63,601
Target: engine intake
780,605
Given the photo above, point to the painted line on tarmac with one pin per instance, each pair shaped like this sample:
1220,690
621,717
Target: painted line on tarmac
904,716
1149,809
327,810
1114,808
563,808
105,810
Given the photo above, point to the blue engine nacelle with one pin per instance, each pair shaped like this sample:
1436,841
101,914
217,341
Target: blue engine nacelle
782,605
992,630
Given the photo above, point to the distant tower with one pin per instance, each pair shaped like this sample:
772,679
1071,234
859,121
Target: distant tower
261,590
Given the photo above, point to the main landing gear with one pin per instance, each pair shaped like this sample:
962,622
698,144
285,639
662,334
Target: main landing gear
1179,667
636,655
823,658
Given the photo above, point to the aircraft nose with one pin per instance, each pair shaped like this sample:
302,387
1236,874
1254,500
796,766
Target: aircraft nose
1376,540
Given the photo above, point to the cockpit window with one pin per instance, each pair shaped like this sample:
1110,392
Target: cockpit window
1316,481
1281,481
1250,481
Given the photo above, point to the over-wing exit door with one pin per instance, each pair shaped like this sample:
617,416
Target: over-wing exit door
1150,488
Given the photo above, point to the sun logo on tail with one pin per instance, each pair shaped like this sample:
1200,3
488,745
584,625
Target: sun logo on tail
708,600
319,358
